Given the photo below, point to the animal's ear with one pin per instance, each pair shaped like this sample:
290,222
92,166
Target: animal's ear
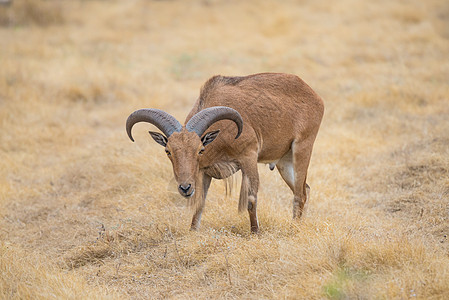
159,138
209,137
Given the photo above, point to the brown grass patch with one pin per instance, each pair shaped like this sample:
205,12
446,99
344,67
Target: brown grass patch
31,12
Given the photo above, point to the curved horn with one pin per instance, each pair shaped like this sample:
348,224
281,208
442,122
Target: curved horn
206,117
162,120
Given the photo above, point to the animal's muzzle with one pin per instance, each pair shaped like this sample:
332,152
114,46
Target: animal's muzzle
186,190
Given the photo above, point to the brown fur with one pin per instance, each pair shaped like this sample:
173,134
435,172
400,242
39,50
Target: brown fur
281,116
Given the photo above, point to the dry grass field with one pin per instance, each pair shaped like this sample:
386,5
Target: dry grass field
86,214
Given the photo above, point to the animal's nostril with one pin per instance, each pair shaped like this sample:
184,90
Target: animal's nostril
184,188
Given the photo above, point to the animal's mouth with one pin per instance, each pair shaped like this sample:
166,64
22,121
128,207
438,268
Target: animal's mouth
189,195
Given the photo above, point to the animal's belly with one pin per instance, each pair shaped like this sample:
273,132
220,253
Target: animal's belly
272,154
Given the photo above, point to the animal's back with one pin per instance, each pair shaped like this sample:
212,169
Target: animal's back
272,104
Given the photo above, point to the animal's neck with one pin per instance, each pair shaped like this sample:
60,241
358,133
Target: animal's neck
222,169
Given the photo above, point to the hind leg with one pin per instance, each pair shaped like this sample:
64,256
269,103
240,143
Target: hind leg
293,169
302,152
285,168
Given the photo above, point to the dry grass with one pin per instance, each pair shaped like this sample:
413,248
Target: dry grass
26,276
87,214
15,13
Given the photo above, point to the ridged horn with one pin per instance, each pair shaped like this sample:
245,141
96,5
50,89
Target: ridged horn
206,117
159,118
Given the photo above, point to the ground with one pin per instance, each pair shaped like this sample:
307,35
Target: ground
85,213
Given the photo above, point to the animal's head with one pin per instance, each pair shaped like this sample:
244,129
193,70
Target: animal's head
184,145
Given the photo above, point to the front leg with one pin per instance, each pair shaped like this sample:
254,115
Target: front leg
205,184
248,192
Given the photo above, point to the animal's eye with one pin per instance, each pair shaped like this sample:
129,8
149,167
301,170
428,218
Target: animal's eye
201,151
168,152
